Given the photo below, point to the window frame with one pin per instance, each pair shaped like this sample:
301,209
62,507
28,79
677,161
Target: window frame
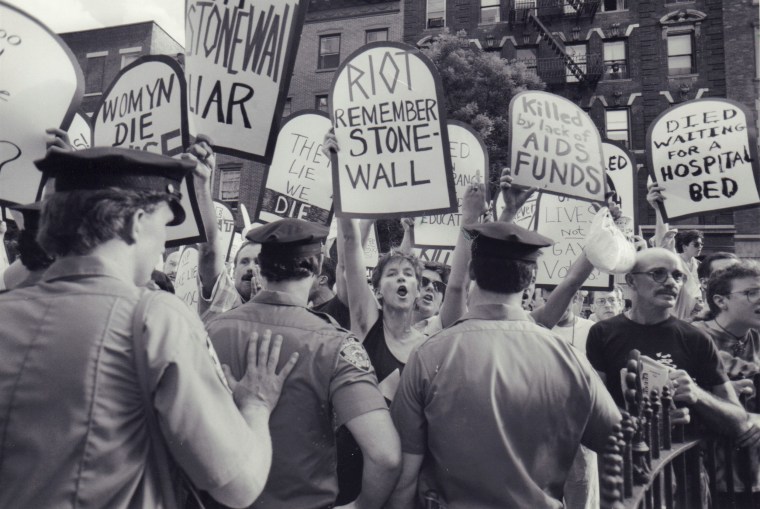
89,90
583,64
321,64
317,99
427,15
622,5
626,74
491,5
627,141
375,31
225,172
693,54
534,49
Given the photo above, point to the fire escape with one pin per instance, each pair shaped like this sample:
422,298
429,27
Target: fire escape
585,69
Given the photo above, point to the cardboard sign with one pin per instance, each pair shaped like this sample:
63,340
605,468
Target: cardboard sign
390,124
186,283
440,255
144,109
225,223
555,146
620,168
704,153
239,59
371,249
299,181
80,132
469,158
235,245
41,86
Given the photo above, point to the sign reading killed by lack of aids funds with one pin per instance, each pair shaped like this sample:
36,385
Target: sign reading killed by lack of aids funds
144,109
299,181
390,124
239,58
555,146
469,159
704,153
41,86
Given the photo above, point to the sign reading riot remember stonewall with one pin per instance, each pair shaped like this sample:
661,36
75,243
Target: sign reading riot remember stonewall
555,146
394,158
41,86
239,58
469,159
704,153
143,109
299,181
620,166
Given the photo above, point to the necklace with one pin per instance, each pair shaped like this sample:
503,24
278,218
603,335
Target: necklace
741,342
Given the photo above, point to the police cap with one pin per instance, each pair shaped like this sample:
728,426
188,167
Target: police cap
507,241
103,167
27,217
289,237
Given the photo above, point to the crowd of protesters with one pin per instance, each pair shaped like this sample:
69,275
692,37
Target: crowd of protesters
296,384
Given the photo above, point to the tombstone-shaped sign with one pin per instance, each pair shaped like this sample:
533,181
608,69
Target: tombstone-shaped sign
620,167
299,181
239,58
704,153
80,132
555,146
390,124
225,223
41,86
469,158
186,282
144,109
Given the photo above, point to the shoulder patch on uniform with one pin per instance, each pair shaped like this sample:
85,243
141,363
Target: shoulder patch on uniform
352,351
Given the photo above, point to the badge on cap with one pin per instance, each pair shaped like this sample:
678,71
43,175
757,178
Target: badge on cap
353,351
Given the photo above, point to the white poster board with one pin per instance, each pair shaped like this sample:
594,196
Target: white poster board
225,223
620,167
185,282
371,249
433,254
144,109
299,180
555,146
469,159
239,59
41,86
237,242
704,153
394,158
80,132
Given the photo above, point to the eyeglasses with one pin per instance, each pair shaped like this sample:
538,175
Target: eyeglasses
609,300
661,275
438,286
753,295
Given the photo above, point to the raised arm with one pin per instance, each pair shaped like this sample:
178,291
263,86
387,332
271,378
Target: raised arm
361,302
514,196
549,314
406,243
663,237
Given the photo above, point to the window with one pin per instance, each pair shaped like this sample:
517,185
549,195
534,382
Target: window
614,5
615,60
380,34
229,184
329,51
129,55
490,11
680,54
320,103
94,74
528,56
578,53
617,128
287,110
436,13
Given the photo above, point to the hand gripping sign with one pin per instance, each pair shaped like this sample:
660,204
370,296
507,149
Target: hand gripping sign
394,158
41,86
144,109
239,58
299,180
555,146
704,153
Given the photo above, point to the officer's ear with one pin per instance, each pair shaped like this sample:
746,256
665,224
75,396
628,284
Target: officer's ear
134,227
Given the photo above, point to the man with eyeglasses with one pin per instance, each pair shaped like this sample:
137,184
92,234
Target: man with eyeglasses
697,374
605,305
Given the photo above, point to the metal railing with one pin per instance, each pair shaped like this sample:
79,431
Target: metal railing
550,9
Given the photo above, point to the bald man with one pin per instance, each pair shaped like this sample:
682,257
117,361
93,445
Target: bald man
700,383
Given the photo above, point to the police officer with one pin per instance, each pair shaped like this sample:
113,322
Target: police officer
333,385
495,404
92,392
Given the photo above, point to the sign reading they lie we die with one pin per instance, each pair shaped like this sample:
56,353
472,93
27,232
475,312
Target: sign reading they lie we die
390,124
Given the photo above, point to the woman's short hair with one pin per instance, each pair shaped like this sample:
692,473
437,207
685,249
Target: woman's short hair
395,256
720,282
686,237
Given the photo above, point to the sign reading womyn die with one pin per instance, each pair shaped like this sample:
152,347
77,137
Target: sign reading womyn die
469,159
390,124
238,61
555,146
144,109
704,153
41,86
299,181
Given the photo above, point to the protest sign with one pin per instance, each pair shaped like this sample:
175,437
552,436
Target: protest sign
80,131
144,109
185,282
235,244
432,254
390,124
469,159
299,180
225,223
704,154
620,168
371,249
555,146
238,61
41,86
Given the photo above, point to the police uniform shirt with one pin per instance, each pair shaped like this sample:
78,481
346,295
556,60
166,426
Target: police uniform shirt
332,383
499,405
73,420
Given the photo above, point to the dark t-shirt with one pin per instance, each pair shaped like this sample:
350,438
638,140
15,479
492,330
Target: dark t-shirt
672,342
380,355
339,311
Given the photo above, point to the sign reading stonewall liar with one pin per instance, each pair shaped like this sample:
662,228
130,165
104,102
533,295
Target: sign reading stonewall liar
299,181
704,153
239,59
469,158
390,124
41,86
555,146
143,109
